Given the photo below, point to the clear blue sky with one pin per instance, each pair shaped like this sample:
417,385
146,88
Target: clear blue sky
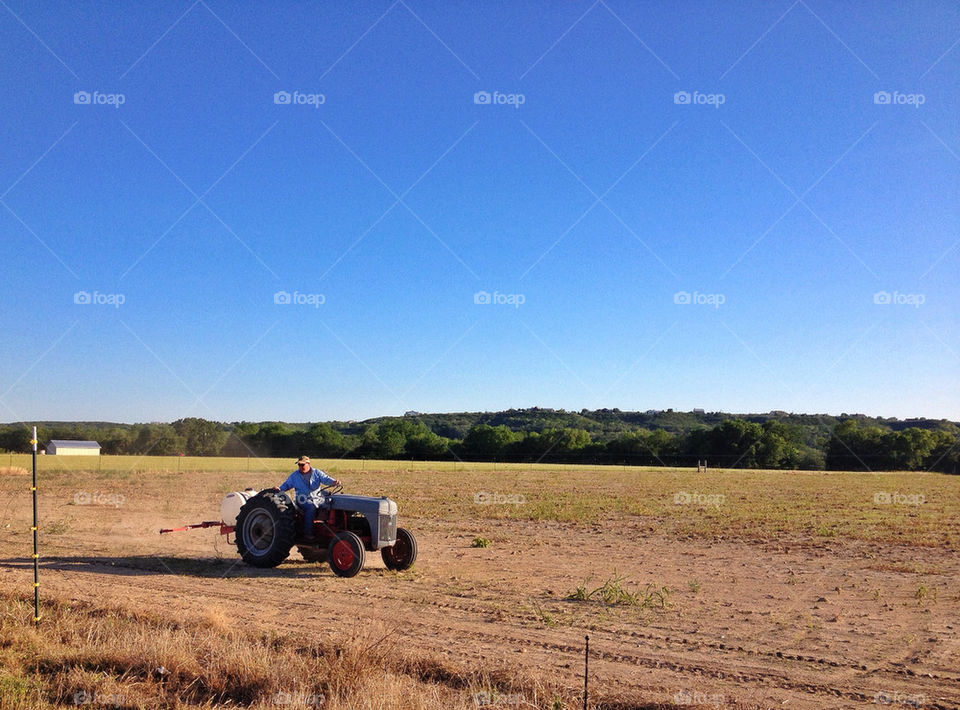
781,194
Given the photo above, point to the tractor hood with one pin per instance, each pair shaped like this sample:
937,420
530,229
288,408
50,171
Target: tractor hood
368,505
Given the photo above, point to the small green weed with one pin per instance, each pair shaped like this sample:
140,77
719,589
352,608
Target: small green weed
614,592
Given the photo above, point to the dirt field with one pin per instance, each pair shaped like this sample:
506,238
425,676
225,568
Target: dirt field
781,590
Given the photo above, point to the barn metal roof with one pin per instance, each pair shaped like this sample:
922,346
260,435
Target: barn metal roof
71,444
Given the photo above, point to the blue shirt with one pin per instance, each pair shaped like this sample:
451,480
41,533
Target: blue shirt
304,485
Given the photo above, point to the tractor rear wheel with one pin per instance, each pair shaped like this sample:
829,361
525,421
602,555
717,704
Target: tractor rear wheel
403,553
266,528
345,554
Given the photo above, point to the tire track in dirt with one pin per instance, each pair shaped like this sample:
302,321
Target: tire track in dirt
691,644
457,625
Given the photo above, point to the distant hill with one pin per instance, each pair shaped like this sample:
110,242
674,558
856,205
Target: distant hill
653,437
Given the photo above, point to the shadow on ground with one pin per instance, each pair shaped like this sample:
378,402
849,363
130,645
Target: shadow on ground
205,567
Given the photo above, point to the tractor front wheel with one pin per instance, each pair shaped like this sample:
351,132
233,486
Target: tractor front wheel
345,554
403,553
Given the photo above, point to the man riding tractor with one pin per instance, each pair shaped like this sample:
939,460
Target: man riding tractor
337,527
306,481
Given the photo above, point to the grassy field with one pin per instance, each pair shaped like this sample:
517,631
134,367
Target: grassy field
254,464
109,629
905,508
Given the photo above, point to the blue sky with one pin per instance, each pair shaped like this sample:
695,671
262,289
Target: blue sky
476,206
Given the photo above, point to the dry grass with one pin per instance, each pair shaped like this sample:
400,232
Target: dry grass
742,504
13,471
119,657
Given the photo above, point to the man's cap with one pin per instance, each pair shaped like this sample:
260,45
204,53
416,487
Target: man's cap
303,459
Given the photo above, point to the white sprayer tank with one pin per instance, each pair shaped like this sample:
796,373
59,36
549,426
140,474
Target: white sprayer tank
231,504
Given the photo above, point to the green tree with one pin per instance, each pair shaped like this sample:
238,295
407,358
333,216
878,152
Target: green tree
734,442
323,440
774,449
907,450
201,437
275,439
945,453
383,441
644,448
157,440
115,441
427,446
488,442
566,440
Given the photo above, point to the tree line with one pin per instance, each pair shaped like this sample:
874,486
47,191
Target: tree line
776,440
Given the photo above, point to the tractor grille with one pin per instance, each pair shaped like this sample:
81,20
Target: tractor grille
388,528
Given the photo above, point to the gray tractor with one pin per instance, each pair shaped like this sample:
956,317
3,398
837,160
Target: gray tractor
268,524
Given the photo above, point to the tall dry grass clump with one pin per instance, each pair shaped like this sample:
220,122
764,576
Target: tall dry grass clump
122,658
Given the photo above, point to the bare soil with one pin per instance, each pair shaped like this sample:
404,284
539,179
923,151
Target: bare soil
794,623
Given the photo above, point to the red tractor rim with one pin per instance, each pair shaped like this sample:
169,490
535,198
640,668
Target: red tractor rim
343,554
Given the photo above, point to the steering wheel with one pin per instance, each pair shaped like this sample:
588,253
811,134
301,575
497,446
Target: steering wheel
332,488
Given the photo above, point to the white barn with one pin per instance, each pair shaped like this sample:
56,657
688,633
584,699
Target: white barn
59,447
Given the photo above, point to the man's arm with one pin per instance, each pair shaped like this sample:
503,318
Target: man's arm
325,479
288,484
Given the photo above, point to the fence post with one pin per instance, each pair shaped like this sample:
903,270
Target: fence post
36,556
586,668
